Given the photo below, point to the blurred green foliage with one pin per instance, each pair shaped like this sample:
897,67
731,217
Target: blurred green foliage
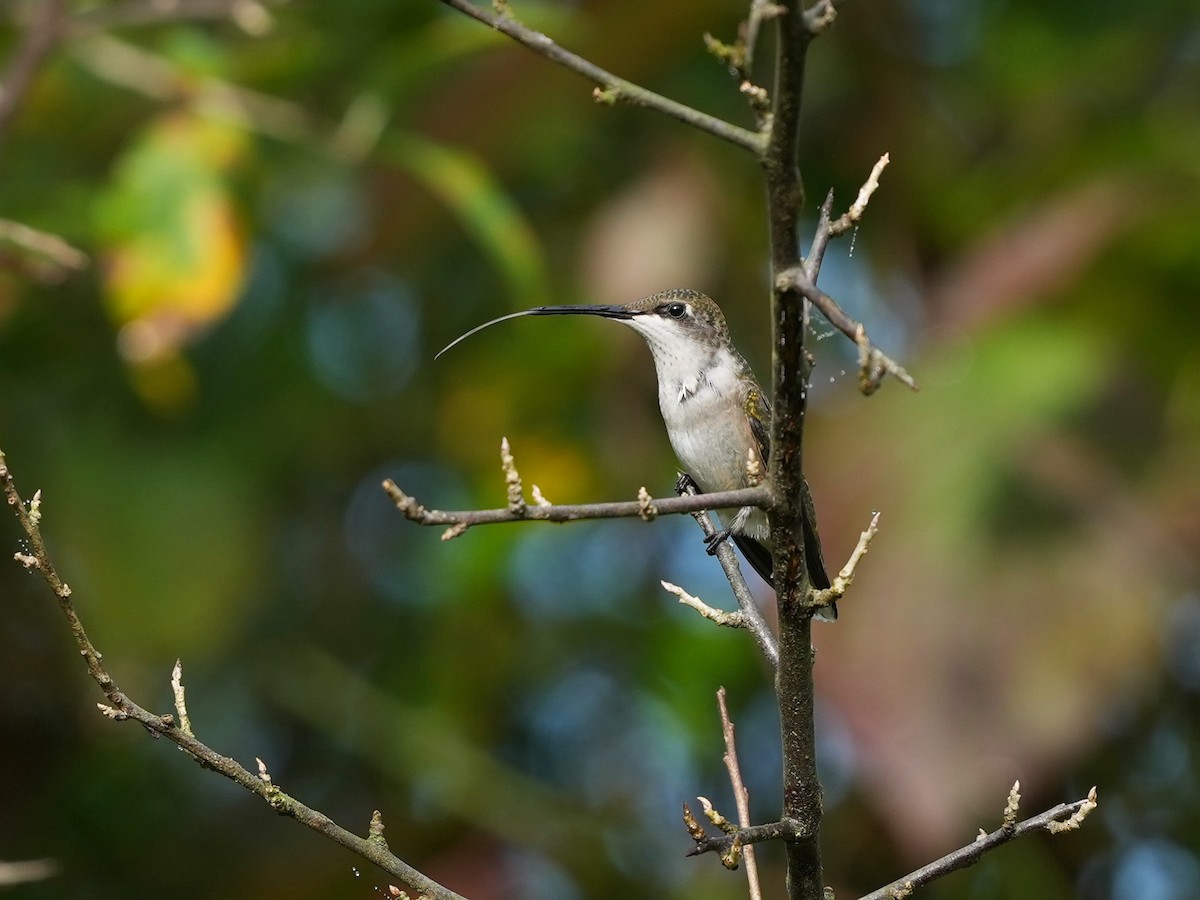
290,209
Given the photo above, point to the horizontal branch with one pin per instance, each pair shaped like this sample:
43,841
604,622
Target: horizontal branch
459,520
754,834
120,708
1064,817
611,88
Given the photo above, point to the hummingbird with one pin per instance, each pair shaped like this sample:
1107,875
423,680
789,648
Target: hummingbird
718,418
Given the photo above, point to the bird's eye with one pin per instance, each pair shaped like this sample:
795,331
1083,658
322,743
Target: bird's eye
676,310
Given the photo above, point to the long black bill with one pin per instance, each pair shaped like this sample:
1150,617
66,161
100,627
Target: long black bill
607,312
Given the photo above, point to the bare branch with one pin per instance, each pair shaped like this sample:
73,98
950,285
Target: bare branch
874,364
1064,817
623,509
731,858
739,56
720,616
760,11
1077,817
783,830
610,89
120,708
741,796
835,592
854,214
828,227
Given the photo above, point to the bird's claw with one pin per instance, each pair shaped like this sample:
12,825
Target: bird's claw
686,484
714,541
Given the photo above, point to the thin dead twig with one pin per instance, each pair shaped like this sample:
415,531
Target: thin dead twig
610,88
741,796
1065,816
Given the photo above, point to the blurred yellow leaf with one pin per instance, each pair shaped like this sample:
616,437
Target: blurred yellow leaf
175,256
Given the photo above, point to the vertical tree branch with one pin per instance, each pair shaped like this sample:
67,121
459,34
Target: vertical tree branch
790,373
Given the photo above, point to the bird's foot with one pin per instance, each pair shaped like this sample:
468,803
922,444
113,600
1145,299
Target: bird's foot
714,541
686,484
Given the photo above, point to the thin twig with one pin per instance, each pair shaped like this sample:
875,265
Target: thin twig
760,11
874,364
820,241
854,214
841,583
1052,820
720,616
828,227
120,708
741,796
611,89
783,830
732,857
556,512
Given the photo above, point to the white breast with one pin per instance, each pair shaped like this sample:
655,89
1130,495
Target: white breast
703,409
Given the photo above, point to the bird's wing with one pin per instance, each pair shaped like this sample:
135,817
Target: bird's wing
757,555
758,412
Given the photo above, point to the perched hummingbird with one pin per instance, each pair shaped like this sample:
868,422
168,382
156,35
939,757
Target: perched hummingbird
717,416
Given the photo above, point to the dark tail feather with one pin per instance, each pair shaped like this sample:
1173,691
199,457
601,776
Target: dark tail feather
760,560
816,560
757,555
